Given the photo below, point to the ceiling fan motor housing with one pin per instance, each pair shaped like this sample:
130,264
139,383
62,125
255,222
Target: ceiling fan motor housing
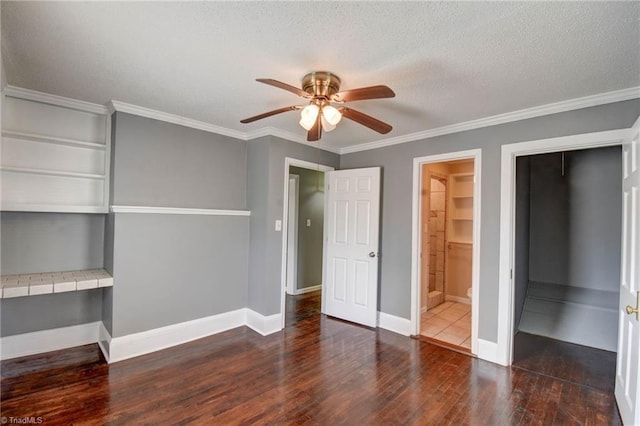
321,84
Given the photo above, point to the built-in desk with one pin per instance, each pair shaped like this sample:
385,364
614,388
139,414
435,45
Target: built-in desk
53,282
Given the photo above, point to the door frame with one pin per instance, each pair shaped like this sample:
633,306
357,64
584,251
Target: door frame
292,243
506,269
289,161
416,233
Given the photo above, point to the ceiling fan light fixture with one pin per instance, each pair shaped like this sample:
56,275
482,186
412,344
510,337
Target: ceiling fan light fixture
308,116
326,126
331,115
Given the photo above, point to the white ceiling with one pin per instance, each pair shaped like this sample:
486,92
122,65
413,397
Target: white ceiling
448,62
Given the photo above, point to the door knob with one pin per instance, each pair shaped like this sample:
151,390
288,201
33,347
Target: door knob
372,254
631,310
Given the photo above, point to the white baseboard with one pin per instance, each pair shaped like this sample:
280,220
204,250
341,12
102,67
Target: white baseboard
394,323
458,299
488,351
262,324
48,340
308,289
136,344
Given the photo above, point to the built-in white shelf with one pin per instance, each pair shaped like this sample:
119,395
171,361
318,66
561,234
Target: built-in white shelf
35,284
460,218
52,172
55,157
50,139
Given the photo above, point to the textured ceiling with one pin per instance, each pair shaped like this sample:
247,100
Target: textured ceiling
448,62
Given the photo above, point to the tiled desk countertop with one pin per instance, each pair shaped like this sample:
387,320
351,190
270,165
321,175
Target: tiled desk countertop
53,282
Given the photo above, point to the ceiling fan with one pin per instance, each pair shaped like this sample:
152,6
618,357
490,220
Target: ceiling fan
321,89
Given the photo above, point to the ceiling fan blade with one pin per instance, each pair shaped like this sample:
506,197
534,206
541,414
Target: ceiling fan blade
316,131
284,86
365,120
372,92
270,113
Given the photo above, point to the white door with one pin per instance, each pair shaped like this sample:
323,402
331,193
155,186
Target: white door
351,261
628,363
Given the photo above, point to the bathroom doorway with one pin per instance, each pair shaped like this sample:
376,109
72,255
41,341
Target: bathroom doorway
446,247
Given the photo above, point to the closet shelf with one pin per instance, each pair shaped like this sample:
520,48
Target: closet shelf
52,139
52,173
53,282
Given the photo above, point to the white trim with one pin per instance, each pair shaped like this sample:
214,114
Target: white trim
292,235
48,340
33,95
261,324
136,344
394,323
488,351
457,299
504,348
119,106
523,114
288,161
308,289
178,210
175,119
476,155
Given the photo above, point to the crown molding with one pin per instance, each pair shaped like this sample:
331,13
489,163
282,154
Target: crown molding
47,98
290,136
523,114
175,119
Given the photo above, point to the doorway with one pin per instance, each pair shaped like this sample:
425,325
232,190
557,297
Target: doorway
446,250
303,249
503,353
568,221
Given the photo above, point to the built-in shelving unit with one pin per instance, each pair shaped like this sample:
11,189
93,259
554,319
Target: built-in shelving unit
55,156
460,220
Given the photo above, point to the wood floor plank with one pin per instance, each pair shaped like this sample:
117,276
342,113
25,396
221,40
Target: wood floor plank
316,371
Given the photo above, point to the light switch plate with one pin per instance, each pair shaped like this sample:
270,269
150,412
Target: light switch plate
308,223
278,225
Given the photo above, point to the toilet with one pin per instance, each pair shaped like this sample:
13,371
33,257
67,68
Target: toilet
469,293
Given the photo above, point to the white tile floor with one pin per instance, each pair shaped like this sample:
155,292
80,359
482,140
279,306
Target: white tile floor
448,322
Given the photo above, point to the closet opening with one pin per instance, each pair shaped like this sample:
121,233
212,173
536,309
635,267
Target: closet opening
446,252
568,225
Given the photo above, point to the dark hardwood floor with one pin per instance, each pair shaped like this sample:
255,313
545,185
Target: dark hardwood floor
583,365
318,371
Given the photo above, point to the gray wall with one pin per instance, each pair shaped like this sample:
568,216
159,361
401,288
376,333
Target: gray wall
521,273
48,242
549,220
396,161
576,219
310,206
265,195
174,268
35,313
166,165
